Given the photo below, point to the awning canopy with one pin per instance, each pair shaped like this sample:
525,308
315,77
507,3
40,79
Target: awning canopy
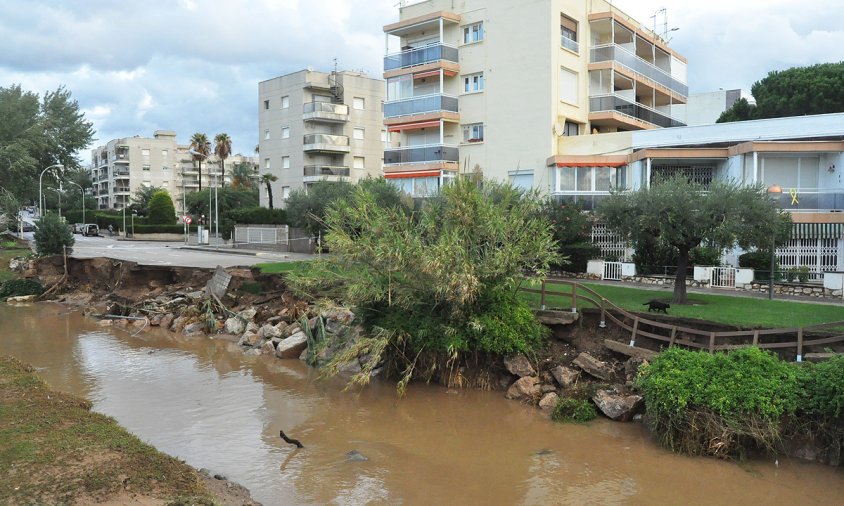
414,126
413,173
591,164
816,230
434,73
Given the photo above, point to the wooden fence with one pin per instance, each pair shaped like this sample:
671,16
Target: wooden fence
666,333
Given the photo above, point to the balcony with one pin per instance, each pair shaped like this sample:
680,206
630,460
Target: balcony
588,201
617,104
313,173
569,44
326,143
122,189
430,153
420,56
637,65
326,111
425,104
803,200
121,174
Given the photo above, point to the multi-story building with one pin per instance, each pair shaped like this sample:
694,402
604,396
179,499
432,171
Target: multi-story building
121,166
493,85
317,126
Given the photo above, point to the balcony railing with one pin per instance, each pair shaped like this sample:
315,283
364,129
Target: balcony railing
122,189
569,44
420,56
811,199
588,201
325,170
326,111
429,153
420,105
326,142
121,173
616,103
619,54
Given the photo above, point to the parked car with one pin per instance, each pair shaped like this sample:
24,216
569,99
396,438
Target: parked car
77,228
90,229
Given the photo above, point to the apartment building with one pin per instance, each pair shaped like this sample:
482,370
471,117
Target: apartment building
316,126
492,86
123,165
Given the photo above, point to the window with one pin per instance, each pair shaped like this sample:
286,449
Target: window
266,163
285,162
146,168
473,33
266,104
568,33
266,135
399,88
358,103
473,83
359,162
285,102
571,129
285,132
521,179
473,132
165,183
358,133
144,152
568,86
590,179
164,153
285,192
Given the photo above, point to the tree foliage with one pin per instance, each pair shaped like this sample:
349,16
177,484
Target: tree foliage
142,197
161,209
52,236
201,147
228,198
572,228
681,214
798,91
243,175
267,180
36,132
223,149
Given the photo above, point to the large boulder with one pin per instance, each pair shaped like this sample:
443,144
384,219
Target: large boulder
549,401
167,320
250,339
268,332
248,314
268,348
194,329
178,324
619,407
565,376
526,388
518,365
594,367
290,330
235,326
291,347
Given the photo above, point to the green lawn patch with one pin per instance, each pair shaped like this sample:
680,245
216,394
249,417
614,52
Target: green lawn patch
6,254
284,267
746,312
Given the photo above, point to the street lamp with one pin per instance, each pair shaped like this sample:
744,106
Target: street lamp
216,199
774,191
40,191
82,191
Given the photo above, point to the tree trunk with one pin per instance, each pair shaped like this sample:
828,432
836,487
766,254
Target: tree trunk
200,175
223,171
680,278
270,195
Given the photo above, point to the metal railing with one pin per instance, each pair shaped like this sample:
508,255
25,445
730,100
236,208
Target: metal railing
325,170
420,56
420,105
340,141
569,44
810,199
619,104
326,107
422,154
637,64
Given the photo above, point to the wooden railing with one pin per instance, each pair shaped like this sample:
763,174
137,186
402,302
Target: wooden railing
687,336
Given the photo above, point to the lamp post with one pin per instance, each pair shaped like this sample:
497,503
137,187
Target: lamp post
208,170
774,191
82,192
40,191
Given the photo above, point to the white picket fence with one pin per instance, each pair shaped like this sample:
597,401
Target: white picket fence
612,271
723,277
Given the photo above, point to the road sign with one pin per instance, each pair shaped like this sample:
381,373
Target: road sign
188,220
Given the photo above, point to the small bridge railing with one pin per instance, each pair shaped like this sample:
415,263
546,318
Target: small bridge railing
640,327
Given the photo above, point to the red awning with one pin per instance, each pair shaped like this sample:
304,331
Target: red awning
592,164
413,126
414,173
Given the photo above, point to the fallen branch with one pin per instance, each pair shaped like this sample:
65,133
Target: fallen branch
290,440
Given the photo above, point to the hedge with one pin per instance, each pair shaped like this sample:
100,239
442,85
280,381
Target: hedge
256,216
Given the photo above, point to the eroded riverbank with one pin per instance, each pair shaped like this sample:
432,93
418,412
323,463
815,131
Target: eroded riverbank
203,400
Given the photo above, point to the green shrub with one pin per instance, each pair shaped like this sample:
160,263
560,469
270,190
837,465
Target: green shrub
161,209
159,229
504,324
760,262
52,236
257,216
19,287
569,410
803,274
823,384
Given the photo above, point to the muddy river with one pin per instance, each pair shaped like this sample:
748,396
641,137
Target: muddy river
203,401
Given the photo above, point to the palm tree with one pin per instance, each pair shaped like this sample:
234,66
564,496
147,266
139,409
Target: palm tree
267,179
223,148
243,174
201,146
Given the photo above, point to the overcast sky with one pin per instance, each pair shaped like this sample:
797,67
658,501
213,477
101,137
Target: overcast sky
193,65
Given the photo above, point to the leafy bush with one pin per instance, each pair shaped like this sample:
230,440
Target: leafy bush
760,262
651,257
823,385
141,228
570,410
803,274
504,324
19,287
52,236
161,209
572,228
257,215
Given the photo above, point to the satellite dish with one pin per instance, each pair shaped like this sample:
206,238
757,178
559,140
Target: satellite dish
558,129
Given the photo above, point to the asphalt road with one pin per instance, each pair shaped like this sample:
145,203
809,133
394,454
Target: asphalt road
169,253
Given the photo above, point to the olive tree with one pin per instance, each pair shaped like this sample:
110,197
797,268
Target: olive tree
682,214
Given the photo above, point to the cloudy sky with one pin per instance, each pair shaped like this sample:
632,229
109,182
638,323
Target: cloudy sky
193,65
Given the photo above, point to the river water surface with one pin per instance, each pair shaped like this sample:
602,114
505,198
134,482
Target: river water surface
205,402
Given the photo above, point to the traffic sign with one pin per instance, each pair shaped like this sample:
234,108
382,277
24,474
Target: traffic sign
188,220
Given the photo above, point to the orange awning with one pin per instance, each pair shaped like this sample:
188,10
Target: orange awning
591,164
413,126
414,173
434,73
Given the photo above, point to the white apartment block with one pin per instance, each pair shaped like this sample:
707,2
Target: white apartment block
316,126
495,85
123,165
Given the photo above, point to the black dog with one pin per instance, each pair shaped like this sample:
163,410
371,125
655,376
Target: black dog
655,305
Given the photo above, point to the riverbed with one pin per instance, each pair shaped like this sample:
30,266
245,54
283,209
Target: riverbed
204,401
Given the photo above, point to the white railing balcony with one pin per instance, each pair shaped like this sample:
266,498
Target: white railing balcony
638,65
424,104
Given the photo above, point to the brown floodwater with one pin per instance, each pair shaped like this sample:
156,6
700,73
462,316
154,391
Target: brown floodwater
204,401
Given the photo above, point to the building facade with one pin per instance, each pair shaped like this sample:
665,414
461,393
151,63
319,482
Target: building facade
316,126
122,166
479,85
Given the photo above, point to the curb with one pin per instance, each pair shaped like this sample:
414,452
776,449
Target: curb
233,252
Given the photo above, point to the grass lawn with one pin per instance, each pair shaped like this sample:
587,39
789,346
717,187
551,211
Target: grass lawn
734,310
5,256
284,267
54,450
